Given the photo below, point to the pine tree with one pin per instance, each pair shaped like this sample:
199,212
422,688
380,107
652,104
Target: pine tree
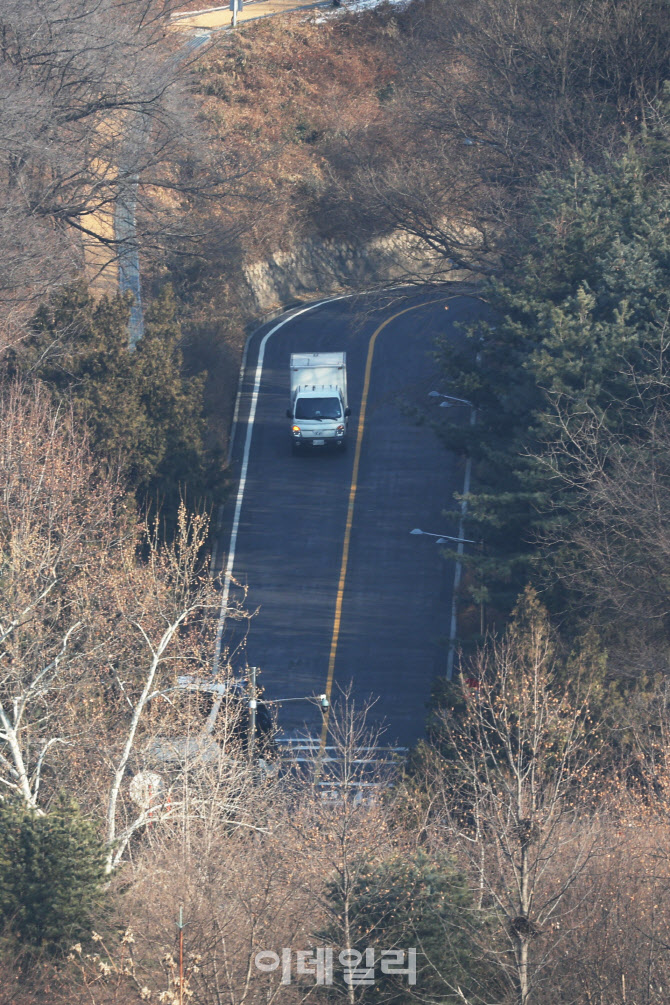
173,403
580,329
51,877
144,413
409,902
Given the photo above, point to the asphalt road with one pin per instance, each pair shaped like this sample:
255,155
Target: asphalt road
395,606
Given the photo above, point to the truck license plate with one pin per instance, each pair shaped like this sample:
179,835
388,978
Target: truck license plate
318,443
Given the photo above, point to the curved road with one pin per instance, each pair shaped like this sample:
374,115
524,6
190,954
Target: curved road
387,632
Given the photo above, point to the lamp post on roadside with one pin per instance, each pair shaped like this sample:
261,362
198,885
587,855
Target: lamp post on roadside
458,568
253,705
321,700
180,926
316,699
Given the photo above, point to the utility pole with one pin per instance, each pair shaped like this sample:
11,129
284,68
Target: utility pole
453,627
458,570
253,704
180,926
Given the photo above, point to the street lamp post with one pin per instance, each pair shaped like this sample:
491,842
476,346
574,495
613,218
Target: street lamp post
320,699
253,705
458,568
314,699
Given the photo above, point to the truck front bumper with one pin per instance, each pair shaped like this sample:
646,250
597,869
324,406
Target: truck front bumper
318,443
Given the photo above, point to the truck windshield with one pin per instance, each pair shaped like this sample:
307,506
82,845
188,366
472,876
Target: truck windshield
318,408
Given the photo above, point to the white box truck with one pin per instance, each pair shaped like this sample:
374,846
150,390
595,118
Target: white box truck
319,411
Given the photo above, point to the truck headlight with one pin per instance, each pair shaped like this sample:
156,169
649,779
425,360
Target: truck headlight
340,430
295,430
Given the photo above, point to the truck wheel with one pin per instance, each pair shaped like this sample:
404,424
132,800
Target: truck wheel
343,446
295,448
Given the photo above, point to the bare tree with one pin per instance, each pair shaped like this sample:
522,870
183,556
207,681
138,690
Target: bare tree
489,94
95,118
52,518
616,533
91,633
517,770
344,824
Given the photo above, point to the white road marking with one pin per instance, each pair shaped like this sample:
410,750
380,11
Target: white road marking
229,458
227,578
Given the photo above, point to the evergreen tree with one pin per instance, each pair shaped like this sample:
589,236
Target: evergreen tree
51,877
410,901
144,413
579,330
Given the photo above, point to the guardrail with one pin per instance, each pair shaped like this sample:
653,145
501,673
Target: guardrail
363,769
308,749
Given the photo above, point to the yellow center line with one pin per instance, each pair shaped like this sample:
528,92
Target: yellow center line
350,518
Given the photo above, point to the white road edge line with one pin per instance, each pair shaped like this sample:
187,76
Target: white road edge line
245,464
231,446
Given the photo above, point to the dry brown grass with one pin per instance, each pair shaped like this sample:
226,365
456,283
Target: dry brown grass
280,93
